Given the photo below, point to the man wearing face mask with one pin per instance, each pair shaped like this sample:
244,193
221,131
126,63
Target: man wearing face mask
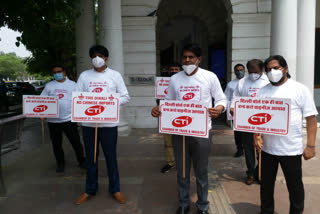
205,86
101,79
239,71
168,147
286,150
248,87
62,88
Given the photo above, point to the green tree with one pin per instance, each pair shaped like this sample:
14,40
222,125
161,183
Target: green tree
47,28
12,67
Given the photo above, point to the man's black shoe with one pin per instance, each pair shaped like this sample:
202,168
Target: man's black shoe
60,168
183,210
239,153
167,168
203,211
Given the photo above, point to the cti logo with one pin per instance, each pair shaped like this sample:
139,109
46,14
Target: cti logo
259,119
182,121
188,96
94,110
60,96
166,91
40,108
97,90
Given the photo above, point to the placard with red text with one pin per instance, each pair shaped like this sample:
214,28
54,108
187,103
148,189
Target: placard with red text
262,115
162,84
40,106
184,118
95,108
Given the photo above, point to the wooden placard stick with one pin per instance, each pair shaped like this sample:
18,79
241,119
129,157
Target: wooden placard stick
42,127
260,165
184,155
258,139
95,143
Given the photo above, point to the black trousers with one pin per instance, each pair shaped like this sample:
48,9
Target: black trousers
71,131
292,170
249,152
237,140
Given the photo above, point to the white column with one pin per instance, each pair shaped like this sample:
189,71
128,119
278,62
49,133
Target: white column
284,32
110,36
306,42
110,32
85,34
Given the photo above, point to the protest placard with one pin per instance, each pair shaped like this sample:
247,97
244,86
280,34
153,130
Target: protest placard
262,115
184,118
40,106
162,84
95,108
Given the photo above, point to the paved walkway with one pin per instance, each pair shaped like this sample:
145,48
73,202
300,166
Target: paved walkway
34,187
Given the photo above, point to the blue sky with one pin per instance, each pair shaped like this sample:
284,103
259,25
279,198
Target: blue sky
8,40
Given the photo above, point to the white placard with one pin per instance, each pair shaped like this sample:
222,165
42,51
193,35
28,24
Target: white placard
95,108
162,84
262,115
184,118
40,106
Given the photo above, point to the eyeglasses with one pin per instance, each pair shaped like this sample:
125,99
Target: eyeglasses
190,57
275,67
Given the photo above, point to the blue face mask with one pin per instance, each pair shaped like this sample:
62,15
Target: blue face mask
58,76
239,74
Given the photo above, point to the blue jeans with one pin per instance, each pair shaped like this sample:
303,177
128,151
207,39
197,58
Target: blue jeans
107,137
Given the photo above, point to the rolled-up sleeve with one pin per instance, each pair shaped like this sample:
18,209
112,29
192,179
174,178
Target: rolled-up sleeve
122,90
171,95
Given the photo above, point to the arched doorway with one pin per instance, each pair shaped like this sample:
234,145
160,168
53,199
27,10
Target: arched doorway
202,22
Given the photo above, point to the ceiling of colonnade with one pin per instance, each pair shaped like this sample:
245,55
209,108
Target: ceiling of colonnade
212,13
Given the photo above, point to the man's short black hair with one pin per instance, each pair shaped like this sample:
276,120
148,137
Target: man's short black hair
238,65
282,62
98,49
59,66
253,62
194,48
175,64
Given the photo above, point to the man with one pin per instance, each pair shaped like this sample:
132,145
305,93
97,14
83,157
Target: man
168,148
239,71
62,88
205,85
101,79
248,87
286,150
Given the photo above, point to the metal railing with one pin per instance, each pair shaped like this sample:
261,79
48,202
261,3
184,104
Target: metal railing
10,133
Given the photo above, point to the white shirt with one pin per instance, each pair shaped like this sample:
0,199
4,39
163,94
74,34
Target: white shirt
249,88
63,91
231,86
107,81
203,85
302,106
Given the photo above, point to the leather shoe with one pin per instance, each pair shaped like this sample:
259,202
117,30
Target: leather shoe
83,198
119,196
249,180
203,211
183,210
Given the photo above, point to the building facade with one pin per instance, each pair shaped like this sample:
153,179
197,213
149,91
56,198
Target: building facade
143,36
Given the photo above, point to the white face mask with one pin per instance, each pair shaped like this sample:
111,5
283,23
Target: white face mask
190,68
254,76
98,62
275,75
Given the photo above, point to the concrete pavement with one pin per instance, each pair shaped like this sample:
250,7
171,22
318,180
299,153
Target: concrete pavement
34,187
